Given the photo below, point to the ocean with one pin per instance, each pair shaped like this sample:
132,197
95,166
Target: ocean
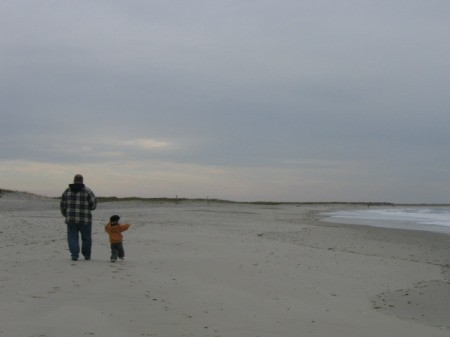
432,219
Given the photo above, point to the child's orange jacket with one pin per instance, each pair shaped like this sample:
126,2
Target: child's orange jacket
115,232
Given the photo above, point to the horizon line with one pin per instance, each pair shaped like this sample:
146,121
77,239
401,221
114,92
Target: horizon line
177,199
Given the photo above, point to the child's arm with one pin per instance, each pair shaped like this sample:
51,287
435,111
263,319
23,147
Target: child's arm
124,227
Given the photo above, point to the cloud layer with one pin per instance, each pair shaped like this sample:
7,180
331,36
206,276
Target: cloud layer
250,100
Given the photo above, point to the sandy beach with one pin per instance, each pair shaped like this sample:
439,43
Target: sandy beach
194,269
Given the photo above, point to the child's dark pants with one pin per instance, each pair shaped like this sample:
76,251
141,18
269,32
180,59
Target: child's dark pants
117,251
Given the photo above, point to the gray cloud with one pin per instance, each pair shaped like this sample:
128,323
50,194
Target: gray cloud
253,84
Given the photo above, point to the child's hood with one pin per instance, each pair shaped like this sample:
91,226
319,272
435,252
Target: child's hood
113,228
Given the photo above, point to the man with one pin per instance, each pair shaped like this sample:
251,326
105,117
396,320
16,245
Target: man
76,205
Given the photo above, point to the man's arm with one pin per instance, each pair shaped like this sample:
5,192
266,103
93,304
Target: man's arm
92,200
63,204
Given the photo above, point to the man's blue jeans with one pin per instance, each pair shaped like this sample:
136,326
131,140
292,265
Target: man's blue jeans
73,239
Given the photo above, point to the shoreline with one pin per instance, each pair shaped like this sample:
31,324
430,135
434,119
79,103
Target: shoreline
226,270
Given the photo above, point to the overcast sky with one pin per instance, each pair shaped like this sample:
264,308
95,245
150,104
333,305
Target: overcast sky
287,100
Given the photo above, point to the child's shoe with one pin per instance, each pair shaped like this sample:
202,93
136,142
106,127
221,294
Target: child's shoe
113,257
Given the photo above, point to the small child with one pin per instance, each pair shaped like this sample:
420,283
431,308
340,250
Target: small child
114,229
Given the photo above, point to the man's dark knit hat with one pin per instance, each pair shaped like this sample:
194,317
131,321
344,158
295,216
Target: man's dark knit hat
114,218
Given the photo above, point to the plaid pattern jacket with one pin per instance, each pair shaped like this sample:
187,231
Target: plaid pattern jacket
76,204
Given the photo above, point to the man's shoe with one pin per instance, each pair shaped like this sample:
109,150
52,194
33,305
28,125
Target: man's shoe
87,258
74,258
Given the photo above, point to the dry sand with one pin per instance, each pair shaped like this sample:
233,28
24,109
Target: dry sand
227,270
